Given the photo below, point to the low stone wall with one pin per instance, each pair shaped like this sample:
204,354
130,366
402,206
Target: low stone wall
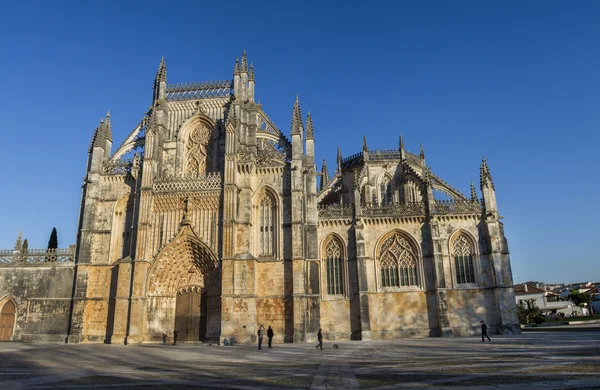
42,294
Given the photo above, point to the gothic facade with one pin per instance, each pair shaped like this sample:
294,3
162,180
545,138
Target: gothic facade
208,220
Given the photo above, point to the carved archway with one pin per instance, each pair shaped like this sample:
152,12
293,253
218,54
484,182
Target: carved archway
185,272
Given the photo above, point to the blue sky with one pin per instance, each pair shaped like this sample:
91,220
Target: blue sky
516,82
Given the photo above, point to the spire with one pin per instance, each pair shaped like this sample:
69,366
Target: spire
160,82
339,160
365,147
485,175
236,68
473,193
244,67
324,176
310,133
251,76
161,74
19,242
400,143
296,117
102,133
422,153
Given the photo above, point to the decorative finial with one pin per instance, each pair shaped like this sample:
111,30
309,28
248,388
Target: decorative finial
324,176
161,74
473,193
485,175
422,154
365,147
310,133
251,76
244,62
400,143
296,117
236,68
108,114
339,155
427,175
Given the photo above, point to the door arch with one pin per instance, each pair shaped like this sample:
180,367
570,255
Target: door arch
184,290
8,314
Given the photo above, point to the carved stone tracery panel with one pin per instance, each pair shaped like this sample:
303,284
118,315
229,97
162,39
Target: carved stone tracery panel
198,154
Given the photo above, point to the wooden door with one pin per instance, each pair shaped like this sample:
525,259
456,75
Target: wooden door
187,316
7,321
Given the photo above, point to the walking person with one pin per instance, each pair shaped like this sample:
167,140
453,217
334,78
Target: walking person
261,332
484,332
320,338
175,336
270,335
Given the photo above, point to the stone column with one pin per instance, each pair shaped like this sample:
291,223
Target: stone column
362,261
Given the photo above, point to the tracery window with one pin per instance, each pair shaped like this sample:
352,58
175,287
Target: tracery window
463,260
335,266
398,262
266,214
385,189
197,150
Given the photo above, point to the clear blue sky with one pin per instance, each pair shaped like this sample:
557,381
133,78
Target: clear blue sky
516,82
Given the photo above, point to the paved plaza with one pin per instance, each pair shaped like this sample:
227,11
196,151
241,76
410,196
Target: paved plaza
548,360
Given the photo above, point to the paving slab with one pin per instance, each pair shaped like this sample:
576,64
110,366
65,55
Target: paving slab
548,360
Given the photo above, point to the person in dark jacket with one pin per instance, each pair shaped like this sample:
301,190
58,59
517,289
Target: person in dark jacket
270,335
320,338
484,332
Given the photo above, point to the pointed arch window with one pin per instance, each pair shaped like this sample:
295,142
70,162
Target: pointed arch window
463,260
398,262
334,261
385,191
266,215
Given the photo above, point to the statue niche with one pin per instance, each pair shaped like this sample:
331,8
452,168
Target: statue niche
198,152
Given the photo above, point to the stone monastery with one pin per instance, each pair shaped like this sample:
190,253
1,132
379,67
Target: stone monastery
208,220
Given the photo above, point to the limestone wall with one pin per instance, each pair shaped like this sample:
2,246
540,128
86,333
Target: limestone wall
42,294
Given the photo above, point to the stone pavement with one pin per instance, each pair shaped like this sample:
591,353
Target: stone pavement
542,360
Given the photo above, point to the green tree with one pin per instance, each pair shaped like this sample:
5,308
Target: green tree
582,299
53,241
25,247
527,309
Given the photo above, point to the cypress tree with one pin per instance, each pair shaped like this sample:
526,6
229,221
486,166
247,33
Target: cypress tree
25,247
53,241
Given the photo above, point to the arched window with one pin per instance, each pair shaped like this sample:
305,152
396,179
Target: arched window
334,262
463,260
266,223
385,191
398,262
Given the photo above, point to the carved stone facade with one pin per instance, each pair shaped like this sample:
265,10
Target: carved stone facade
215,226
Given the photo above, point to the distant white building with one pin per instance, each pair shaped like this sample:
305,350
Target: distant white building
548,302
